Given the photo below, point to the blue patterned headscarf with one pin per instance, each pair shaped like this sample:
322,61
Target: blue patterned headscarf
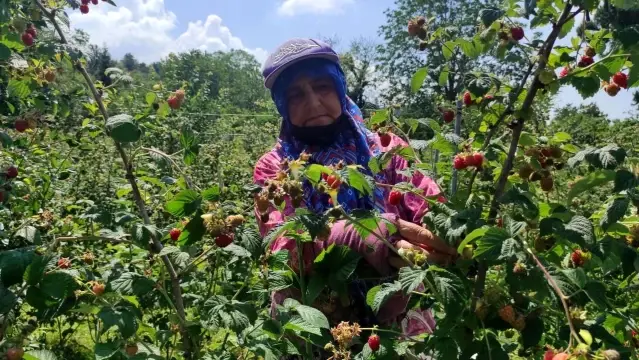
354,145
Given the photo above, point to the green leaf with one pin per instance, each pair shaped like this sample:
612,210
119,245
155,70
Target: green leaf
13,264
448,287
185,203
105,351
211,194
447,49
561,137
489,15
576,276
130,283
150,97
315,287
418,79
35,270
526,139
446,348
30,234
337,263
587,86
124,316
193,231
18,88
235,250
410,278
475,234
40,355
565,29
358,181
58,284
5,52
5,139
443,77
7,300
297,324
469,48
489,246
378,295
624,180
579,230
615,211
590,181
123,129
596,291
510,248
312,316
533,332
379,116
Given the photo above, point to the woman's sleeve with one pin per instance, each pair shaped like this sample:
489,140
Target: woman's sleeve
412,207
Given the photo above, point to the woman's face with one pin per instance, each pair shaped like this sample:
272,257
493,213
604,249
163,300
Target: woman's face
313,102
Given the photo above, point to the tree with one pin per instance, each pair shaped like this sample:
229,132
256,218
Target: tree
359,67
129,62
99,59
587,124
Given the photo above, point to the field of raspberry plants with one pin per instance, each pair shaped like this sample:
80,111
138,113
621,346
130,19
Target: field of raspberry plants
128,220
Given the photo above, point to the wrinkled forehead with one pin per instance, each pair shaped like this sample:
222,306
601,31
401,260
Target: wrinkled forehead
304,80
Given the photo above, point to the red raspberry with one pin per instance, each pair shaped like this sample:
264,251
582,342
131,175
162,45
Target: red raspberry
468,101
517,33
15,354
32,30
507,313
385,139
27,38
620,79
549,354
174,102
585,61
478,159
12,172
84,9
564,71
224,240
373,342
394,197
459,162
175,234
64,263
21,125
449,116
333,182
98,289
578,258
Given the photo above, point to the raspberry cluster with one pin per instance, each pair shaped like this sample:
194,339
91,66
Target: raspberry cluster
465,160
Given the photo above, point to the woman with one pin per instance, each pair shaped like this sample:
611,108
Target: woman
308,87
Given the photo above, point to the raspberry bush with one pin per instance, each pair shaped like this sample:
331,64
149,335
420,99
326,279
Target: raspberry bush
160,262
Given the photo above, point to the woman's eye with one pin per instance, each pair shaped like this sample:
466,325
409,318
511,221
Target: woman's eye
323,87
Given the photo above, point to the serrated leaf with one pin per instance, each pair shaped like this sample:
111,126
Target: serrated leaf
237,250
7,300
615,211
106,350
40,355
490,15
122,316
449,288
312,316
58,284
579,230
410,279
447,49
379,116
337,263
211,194
35,270
596,291
130,283
378,295
576,276
590,181
297,324
122,128
184,203
566,28
509,249
169,250
359,182
624,180
418,79
490,244
13,264
468,48
446,348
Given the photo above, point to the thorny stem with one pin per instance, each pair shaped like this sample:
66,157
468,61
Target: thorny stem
561,295
156,245
544,52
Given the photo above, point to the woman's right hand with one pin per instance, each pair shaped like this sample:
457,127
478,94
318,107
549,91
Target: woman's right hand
420,239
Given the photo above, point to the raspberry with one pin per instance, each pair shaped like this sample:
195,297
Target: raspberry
478,159
459,162
620,79
27,38
98,289
612,89
449,116
88,258
468,101
64,263
578,258
549,354
175,234
15,354
394,197
469,159
333,182
21,125
590,51
49,76
520,323
224,240
12,172
525,171
180,94
84,9
32,30
174,103
555,152
385,139
507,313
561,356
564,71
132,349
547,184
519,268
413,28
517,33
585,61
373,342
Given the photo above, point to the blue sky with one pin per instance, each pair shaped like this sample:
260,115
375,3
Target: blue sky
150,29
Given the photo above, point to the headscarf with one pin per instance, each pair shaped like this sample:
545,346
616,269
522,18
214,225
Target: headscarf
354,143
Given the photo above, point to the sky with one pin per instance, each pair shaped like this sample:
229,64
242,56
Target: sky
151,29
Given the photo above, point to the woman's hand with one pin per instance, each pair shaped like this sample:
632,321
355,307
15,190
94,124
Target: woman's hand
421,239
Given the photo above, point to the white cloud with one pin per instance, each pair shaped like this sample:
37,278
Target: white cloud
143,28
295,7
